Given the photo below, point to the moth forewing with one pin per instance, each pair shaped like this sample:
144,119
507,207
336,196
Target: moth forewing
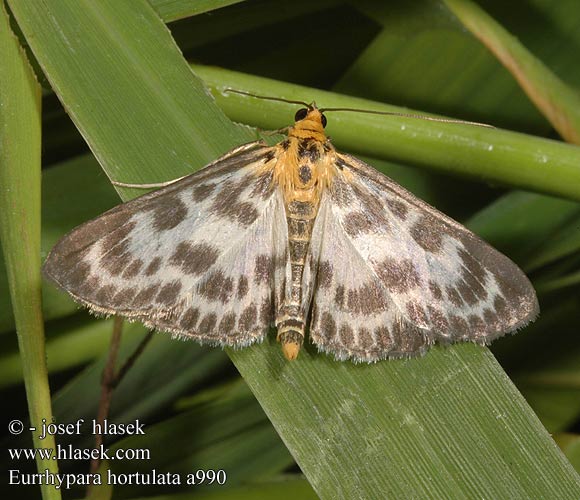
291,234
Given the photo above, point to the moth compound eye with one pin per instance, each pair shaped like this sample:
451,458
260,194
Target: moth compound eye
300,114
323,120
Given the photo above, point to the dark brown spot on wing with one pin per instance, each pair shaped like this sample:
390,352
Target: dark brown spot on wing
193,258
327,327
113,226
372,206
458,327
339,296
227,204
501,307
366,300
426,232
473,265
397,335
454,296
153,266
365,339
79,273
491,320
217,287
117,258
245,213
264,185
267,311
169,292
262,269
88,286
242,286
341,192
438,320
383,338
124,297
357,223
145,297
227,324
346,334
411,339
398,275
477,326
105,294
248,318
325,273
207,324
118,236
133,269
189,319
202,192
466,293
416,313
435,290
398,208
169,211
475,286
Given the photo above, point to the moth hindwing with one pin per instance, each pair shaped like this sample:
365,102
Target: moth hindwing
301,237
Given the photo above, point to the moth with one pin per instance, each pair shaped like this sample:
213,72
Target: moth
301,237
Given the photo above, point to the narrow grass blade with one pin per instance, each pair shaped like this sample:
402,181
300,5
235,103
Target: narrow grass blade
556,100
492,155
20,135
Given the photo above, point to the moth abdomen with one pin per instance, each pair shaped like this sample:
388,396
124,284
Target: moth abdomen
291,336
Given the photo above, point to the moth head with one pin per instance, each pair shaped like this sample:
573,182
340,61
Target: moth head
311,113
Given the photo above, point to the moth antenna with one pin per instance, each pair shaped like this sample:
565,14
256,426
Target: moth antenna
267,98
409,115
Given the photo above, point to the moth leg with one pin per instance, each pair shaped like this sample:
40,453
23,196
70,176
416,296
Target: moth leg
279,131
148,186
156,185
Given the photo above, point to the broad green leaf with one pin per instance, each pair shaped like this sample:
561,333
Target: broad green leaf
280,488
171,10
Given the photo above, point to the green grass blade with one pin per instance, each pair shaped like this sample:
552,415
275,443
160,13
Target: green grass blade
557,101
20,134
